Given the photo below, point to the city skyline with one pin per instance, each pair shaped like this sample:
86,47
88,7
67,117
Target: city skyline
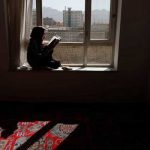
96,15
74,4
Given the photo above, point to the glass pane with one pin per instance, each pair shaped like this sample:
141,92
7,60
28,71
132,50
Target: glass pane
99,55
72,55
100,19
34,22
64,18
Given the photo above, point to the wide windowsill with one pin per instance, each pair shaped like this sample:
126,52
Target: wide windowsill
24,68
87,69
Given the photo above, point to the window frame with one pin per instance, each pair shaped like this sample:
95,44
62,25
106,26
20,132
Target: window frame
87,29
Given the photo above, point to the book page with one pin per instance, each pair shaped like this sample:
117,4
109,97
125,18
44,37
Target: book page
54,38
53,42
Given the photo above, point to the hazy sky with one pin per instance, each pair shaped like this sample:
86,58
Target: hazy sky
75,4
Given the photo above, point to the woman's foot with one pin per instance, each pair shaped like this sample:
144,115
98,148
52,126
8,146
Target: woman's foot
66,68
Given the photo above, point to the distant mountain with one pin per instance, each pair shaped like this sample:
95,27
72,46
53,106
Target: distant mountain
53,13
98,16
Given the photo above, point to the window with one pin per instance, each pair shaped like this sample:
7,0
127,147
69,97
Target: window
34,17
67,20
87,28
100,19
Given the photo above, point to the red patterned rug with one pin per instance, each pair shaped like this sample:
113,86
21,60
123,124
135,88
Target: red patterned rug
49,141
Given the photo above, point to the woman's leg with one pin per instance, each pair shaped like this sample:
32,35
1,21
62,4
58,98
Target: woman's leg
54,64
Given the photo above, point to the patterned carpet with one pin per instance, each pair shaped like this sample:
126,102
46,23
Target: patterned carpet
50,141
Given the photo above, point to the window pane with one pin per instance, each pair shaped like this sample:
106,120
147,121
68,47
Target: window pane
34,22
99,55
69,54
64,18
100,19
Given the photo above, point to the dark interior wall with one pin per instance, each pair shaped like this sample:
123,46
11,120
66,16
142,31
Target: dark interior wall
134,39
129,83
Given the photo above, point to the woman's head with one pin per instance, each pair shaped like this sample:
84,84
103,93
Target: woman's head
37,33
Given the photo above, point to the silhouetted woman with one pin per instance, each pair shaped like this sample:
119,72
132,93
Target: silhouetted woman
39,55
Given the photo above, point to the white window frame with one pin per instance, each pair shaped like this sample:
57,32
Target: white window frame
87,41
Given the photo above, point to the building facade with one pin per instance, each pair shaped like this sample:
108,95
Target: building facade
72,18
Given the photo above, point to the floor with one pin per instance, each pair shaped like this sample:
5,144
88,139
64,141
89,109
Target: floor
123,126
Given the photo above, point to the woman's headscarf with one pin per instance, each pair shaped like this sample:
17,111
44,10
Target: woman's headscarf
37,33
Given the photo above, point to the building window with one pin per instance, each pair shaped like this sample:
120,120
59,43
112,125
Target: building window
87,28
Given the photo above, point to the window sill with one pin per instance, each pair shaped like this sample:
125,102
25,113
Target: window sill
24,68
88,69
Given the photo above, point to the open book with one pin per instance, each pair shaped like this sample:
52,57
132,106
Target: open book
54,41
